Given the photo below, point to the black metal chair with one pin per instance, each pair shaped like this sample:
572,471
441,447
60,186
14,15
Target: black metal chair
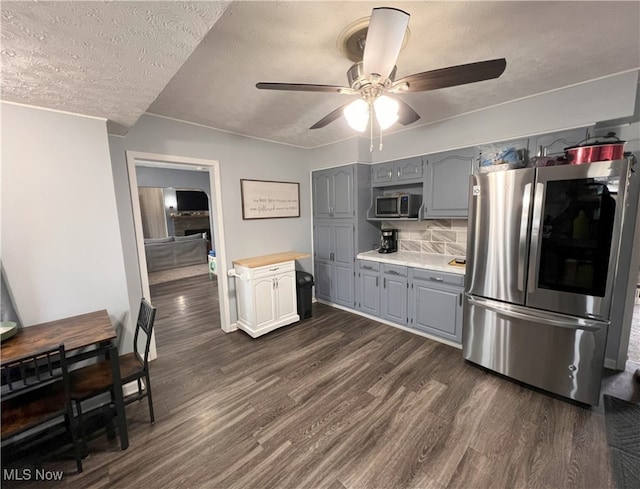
93,380
36,390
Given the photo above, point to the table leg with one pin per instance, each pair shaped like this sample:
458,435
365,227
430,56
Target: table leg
118,398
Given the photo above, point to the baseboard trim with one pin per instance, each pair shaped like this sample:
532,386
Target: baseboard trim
389,323
610,363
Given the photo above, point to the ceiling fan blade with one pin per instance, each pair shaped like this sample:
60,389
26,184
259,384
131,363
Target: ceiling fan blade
406,115
385,34
454,75
300,87
330,117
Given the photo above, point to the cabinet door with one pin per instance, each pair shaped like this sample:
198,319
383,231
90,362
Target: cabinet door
342,192
264,300
343,260
394,299
323,279
368,295
553,144
409,169
382,173
323,240
322,193
437,310
446,191
285,294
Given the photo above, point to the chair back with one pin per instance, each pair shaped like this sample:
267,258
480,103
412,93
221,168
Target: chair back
34,371
146,318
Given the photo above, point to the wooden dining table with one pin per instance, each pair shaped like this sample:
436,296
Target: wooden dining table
90,335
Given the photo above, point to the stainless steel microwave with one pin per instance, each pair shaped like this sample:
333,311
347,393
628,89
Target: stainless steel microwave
403,205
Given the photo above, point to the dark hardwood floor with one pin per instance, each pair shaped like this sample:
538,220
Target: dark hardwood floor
337,401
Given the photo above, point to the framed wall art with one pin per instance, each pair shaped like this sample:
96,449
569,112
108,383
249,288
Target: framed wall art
262,199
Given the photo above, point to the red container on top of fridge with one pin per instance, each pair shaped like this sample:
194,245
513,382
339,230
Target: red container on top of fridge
600,148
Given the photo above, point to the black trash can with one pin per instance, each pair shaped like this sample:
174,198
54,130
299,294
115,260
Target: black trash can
304,283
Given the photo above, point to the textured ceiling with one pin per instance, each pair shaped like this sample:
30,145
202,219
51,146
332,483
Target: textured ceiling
101,59
113,59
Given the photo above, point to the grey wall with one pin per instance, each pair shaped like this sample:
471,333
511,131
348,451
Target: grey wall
239,157
61,246
171,179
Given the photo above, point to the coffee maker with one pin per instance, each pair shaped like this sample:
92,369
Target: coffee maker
388,241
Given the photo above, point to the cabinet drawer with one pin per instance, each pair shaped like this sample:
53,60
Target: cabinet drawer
369,265
438,277
272,269
395,270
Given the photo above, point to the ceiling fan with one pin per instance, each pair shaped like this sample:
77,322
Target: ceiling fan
374,77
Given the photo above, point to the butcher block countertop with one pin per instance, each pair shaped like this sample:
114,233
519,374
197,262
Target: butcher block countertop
263,261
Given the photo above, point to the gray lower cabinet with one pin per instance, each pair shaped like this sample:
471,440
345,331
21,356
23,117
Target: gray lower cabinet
435,303
393,304
446,183
334,263
368,288
423,300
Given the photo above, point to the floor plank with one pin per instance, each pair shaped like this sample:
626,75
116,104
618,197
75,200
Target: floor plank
336,401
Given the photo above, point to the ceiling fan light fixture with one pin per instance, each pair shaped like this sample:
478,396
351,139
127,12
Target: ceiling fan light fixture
384,40
357,114
386,110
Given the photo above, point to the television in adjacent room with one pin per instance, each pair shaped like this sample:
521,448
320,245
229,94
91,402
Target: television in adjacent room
192,201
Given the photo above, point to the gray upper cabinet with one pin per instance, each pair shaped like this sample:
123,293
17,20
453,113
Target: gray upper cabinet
333,193
554,144
407,170
446,187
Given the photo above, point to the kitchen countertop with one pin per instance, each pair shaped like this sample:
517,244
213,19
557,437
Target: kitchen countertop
429,261
262,261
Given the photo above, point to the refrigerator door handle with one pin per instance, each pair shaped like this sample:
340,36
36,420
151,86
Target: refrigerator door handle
536,219
541,317
522,243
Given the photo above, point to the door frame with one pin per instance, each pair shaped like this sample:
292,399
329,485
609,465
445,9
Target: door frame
215,219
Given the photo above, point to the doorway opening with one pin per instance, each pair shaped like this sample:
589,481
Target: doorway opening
213,220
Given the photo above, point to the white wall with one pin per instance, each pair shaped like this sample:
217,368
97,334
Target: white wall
61,246
239,157
576,106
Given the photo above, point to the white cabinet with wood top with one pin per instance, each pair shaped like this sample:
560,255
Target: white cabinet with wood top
266,292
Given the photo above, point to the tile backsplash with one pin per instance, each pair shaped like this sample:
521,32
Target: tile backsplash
443,236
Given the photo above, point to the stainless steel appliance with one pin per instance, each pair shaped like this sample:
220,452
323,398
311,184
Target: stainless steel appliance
398,205
388,241
541,264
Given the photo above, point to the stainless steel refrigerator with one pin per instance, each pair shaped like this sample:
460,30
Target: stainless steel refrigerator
541,263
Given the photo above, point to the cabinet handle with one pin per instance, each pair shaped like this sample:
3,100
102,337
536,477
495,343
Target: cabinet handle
436,279
331,256
274,269
398,172
393,272
366,267
384,282
376,281
460,299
